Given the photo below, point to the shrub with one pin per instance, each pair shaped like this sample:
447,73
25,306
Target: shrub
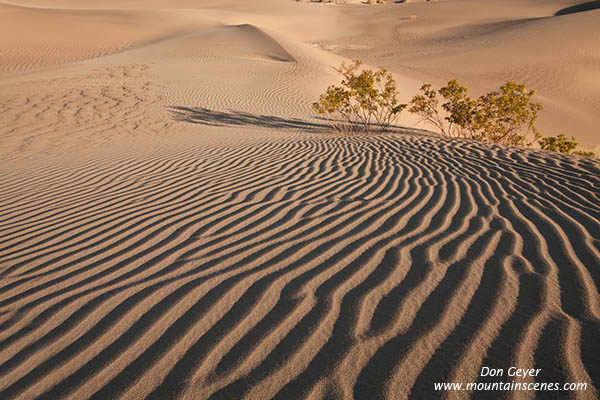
459,108
562,144
366,100
497,117
584,153
502,116
558,143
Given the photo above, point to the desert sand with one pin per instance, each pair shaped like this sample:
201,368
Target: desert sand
176,223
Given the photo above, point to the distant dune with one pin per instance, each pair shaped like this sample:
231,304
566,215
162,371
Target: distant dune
175,222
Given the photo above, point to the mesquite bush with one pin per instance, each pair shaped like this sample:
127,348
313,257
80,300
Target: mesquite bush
506,116
365,101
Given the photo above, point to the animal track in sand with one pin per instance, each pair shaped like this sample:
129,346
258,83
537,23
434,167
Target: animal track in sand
108,101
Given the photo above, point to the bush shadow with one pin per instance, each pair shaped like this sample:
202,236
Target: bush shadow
205,116
208,117
587,6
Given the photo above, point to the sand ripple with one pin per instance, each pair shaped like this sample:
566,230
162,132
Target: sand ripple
298,266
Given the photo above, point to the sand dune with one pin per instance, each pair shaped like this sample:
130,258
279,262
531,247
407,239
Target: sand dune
274,267
513,40
36,38
176,223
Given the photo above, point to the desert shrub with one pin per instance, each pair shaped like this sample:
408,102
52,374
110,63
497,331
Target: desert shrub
365,101
504,117
559,143
454,118
584,153
562,144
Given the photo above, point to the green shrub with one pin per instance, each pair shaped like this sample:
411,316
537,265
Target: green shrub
562,144
584,153
366,101
503,117
459,109
558,143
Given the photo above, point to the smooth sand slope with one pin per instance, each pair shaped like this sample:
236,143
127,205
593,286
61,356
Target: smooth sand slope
176,223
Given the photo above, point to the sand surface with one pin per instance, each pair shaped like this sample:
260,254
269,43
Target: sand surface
175,222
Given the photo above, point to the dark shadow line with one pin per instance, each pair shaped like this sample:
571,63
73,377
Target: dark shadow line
587,6
205,116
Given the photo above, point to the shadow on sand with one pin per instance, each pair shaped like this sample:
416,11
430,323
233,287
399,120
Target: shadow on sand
590,5
204,116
